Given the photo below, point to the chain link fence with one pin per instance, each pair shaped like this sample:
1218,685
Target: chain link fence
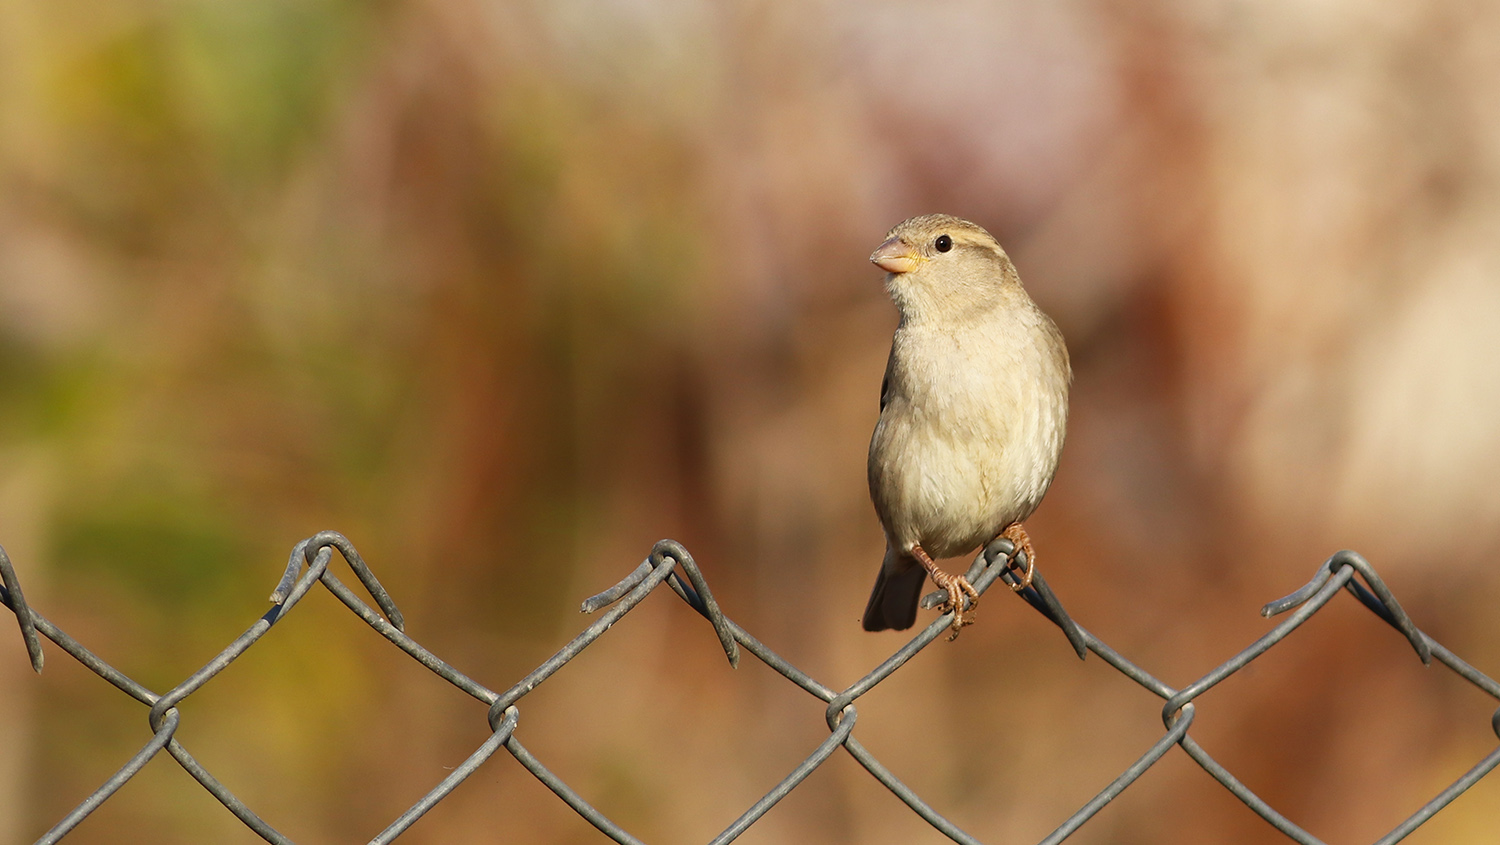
669,562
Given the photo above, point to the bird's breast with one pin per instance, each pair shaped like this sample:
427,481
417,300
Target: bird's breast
968,441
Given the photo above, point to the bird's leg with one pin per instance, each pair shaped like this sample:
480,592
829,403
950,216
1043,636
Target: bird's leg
957,587
1016,533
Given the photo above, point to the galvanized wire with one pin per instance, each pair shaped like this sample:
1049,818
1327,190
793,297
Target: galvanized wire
669,562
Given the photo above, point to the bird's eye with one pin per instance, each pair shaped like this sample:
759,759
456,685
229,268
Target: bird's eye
943,243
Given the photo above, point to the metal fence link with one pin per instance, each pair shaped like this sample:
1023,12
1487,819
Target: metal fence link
669,562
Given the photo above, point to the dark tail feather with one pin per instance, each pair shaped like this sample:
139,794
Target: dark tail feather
898,589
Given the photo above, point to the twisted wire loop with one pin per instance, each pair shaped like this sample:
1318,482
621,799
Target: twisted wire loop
10,593
669,562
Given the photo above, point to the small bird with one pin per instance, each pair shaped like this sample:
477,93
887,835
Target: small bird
973,412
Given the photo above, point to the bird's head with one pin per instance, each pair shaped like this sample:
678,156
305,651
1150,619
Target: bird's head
943,267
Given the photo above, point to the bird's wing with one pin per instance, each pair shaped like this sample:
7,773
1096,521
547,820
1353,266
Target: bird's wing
885,382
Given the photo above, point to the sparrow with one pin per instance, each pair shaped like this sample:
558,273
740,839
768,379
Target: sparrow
973,413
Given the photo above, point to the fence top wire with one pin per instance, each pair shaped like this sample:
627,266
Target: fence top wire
669,562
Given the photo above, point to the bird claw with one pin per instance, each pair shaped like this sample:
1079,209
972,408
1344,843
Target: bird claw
1016,533
960,593
957,587
1023,575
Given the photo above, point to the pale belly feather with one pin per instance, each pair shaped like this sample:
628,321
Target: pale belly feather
958,465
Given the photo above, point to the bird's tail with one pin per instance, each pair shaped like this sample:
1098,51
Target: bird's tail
898,589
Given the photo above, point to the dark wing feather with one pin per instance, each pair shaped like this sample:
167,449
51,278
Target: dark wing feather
885,382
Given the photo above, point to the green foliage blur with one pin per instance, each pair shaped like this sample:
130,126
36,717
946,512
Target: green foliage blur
279,267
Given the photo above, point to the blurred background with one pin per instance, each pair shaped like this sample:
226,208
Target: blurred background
507,291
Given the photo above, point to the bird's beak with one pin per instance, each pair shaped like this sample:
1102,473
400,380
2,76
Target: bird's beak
893,256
